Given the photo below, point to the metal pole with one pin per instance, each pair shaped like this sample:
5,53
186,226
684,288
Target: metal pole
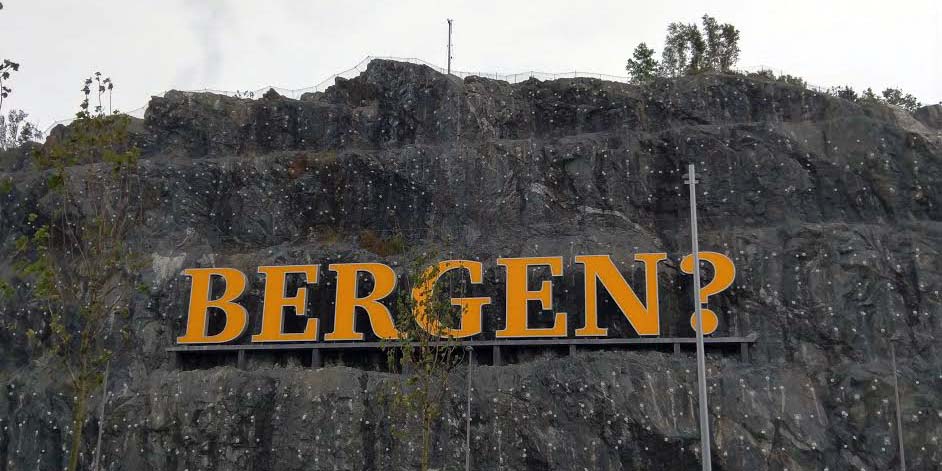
449,46
467,429
701,361
899,411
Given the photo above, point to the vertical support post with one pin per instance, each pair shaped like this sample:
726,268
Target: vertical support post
497,360
241,362
174,360
467,429
316,360
899,411
572,349
449,46
676,348
744,352
705,454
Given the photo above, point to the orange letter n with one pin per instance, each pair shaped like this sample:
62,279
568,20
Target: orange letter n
643,318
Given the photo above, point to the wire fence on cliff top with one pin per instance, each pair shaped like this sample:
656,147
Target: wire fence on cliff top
295,93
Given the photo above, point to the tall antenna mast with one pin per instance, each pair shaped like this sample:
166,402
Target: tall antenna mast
449,46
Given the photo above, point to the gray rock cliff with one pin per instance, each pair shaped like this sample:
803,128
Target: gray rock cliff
830,210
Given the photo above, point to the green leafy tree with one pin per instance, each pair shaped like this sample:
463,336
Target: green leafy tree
845,91
722,45
7,67
15,130
890,96
868,96
679,56
77,258
713,39
897,97
728,54
6,70
642,67
792,80
688,50
698,51
424,360
765,74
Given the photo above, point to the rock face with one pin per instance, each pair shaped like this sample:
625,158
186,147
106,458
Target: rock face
831,211
930,115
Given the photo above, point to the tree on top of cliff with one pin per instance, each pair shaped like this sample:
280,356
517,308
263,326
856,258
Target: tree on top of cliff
76,258
7,67
897,97
891,96
688,50
15,130
642,67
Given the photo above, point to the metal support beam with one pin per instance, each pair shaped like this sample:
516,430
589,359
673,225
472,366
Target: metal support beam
899,411
744,352
241,361
449,46
317,349
467,430
701,355
612,341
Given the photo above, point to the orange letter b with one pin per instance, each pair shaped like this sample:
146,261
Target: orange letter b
197,323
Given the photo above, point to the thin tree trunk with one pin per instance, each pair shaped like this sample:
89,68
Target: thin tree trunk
426,441
101,417
78,419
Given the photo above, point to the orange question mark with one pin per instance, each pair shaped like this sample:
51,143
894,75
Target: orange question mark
723,274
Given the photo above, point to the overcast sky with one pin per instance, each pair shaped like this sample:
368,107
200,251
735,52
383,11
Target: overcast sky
151,46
